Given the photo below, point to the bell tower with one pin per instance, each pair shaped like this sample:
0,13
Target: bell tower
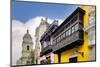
38,33
27,49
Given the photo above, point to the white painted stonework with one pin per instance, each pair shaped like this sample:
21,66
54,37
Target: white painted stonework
39,32
27,50
91,33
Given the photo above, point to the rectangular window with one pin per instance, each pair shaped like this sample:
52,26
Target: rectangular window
76,27
66,33
69,31
55,40
63,35
27,47
73,29
45,44
58,39
73,60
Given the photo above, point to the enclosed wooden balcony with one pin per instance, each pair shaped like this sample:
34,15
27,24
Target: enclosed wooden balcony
46,50
70,33
72,41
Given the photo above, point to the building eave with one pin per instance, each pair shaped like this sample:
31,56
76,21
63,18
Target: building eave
69,17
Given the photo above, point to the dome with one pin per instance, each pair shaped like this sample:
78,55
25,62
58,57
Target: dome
27,37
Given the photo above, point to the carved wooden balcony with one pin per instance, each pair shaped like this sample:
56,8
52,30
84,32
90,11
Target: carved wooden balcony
46,50
69,42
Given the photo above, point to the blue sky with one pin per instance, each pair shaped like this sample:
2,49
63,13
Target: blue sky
23,11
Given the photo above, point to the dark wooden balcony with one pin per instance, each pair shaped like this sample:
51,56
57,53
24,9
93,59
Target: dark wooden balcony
46,50
69,42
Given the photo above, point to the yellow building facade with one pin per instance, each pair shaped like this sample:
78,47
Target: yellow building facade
82,52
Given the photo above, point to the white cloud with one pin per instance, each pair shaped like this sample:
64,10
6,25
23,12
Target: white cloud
18,31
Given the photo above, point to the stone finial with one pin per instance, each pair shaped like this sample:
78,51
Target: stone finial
55,22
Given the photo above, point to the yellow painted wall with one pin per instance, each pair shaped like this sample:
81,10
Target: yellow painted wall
86,15
84,48
86,42
65,55
55,58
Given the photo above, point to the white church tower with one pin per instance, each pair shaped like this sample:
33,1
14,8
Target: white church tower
27,50
39,31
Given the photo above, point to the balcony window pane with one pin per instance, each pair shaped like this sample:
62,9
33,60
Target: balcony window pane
45,44
58,39
69,31
54,41
73,29
63,35
76,27
66,33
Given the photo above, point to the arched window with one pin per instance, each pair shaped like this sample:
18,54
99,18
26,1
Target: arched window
27,47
